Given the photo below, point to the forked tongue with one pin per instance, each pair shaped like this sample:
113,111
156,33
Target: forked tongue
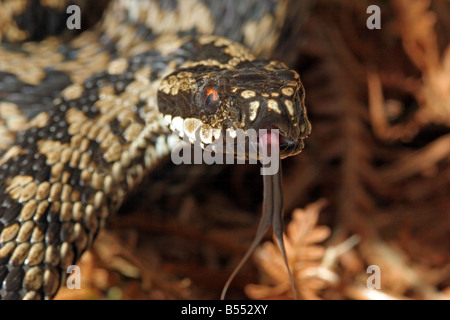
272,211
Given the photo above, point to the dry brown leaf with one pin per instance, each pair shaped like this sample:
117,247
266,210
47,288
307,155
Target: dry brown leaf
416,24
304,256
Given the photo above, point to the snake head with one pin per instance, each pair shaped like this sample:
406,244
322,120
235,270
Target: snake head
203,102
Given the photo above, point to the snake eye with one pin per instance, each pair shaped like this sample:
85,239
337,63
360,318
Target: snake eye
211,100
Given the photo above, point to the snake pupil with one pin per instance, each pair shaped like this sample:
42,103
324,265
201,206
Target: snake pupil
209,98
212,100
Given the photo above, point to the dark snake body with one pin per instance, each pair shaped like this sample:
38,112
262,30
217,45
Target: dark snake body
102,108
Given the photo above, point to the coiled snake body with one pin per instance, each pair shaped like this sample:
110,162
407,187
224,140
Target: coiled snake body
83,121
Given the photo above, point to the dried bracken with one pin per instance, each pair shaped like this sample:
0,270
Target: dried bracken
305,256
416,24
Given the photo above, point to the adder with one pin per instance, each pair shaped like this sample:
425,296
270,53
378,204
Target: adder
83,120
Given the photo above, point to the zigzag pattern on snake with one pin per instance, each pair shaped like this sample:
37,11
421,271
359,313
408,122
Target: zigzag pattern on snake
83,121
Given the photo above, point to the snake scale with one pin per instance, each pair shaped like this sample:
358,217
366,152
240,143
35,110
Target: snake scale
83,120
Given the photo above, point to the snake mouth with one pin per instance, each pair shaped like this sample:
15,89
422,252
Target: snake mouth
287,146
242,144
290,147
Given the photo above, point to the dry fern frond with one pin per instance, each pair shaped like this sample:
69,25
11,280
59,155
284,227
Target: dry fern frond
416,24
436,91
304,257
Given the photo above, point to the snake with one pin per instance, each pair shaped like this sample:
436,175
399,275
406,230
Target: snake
84,117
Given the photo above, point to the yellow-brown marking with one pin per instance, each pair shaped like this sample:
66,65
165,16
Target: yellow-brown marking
52,150
12,116
28,210
40,120
287,91
7,248
20,253
246,94
262,35
55,4
206,134
254,107
9,232
28,192
290,107
25,231
9,28
118,66
272,105
72,92
182,81
43,190
31,68
133,131
11,153
17,184
171,21
36,254
191,125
